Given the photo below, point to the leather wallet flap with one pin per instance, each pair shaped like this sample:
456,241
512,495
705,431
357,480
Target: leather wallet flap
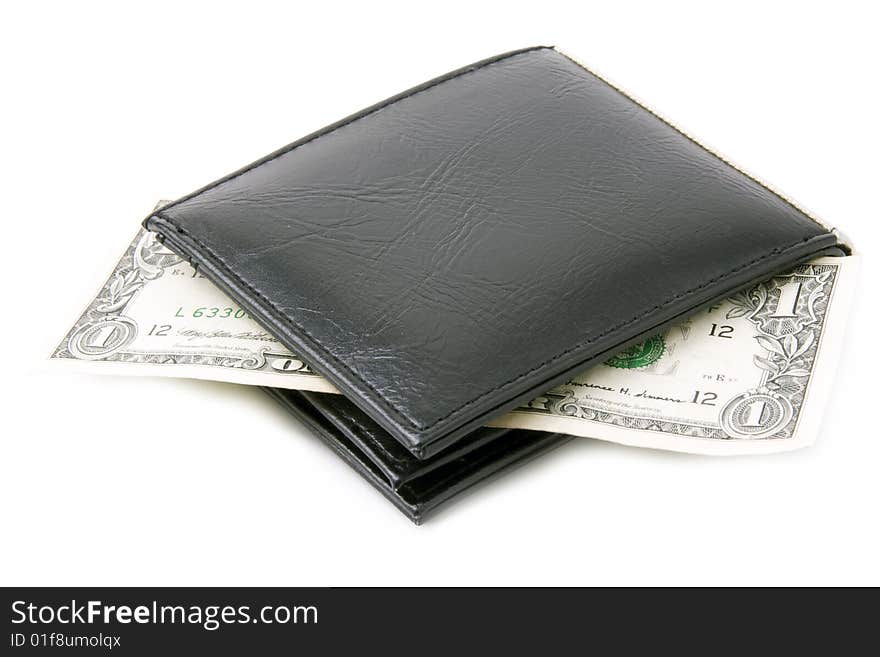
455,250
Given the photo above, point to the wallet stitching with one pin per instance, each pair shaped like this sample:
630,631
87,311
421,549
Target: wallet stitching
423,427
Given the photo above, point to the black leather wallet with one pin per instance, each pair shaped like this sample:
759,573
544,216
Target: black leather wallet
458,249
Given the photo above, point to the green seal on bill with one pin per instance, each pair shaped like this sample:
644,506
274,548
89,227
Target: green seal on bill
639,355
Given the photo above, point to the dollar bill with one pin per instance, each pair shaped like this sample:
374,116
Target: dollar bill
750,374
156,316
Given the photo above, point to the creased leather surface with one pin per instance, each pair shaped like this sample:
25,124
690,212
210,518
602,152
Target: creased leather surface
458,249
416,487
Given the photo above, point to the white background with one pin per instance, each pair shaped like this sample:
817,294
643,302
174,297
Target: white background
112,481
